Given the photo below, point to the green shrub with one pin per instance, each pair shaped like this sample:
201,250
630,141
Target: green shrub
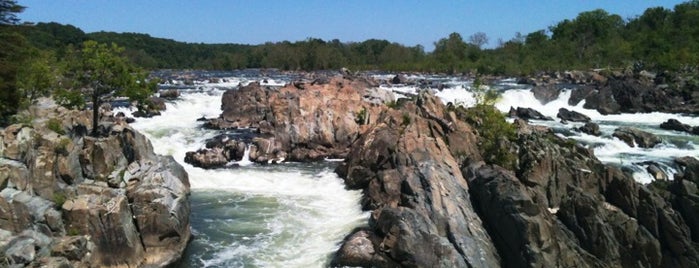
495,134
406,119
392,104
55,125
71,99
22,118
73,232
361,116
58,199
62,146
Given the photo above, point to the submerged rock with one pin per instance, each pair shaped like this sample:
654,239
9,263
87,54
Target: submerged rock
633,137
674,124
590,128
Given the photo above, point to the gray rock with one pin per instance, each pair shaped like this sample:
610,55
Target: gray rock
590,128
21,251
633,137
572,116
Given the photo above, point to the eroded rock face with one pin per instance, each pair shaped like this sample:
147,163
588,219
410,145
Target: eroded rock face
301,121
104,201
416,193
558,207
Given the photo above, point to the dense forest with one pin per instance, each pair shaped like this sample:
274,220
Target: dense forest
659,38
36,58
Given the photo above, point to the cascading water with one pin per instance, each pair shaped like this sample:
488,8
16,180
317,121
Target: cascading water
286,215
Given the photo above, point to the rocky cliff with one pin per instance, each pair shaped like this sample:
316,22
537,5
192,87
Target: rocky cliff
68,199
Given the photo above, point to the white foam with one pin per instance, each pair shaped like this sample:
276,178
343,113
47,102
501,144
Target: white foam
607,149
310,211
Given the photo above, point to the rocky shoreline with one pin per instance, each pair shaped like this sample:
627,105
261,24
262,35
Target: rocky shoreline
435,202
72,200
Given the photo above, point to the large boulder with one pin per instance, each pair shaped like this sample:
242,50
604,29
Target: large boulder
637,93
633,136
572,116
590,129
546,93
558,207
528,114
104,214
245,106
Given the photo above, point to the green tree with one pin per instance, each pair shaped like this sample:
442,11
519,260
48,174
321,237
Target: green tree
101,70
37,77
8,12
13,52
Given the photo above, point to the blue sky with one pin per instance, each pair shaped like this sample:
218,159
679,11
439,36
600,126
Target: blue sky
257,21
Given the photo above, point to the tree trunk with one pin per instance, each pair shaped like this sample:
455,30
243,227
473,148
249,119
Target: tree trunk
95,114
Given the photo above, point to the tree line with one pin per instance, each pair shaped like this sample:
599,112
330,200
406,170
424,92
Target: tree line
658,39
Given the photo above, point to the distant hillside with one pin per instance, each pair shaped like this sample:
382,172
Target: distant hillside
659,39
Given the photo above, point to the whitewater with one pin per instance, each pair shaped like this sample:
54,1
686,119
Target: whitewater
296,214
250,215
607,149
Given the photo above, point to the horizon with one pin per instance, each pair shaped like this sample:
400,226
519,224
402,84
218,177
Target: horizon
409,23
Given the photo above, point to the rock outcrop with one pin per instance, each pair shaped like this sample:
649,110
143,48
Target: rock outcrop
76,200
412,183
558,207
302,121
613,92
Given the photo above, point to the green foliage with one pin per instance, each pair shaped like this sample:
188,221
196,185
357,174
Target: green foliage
483,93
8,12
71,99
495,133
392,104
100,70
406,119
73,232
36,77
13,53
62,146
361,117
59,199
55,125
662,38
22,118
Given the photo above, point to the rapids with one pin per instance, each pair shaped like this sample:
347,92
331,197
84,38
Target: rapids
294,214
